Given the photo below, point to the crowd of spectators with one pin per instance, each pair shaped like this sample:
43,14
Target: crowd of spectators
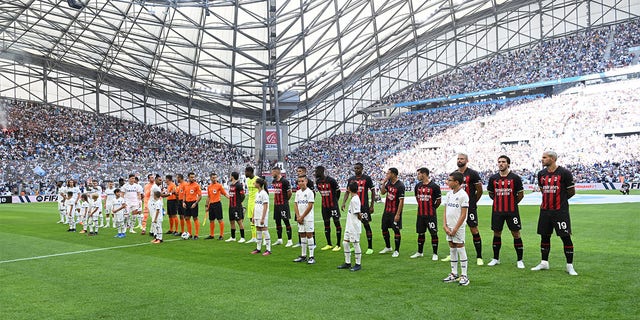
42,144
578,126
573,55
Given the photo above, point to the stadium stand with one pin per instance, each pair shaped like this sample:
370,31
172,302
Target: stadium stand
42,144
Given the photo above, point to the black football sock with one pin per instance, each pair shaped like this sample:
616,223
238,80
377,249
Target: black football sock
517,244
367,228
568,248
420,242
497,244
327,231
477,242
434,242
545,246
387,239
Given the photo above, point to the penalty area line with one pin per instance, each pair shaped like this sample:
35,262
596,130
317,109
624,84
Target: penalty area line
79,252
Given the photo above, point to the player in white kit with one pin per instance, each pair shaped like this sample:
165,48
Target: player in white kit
133,197
261,217
62,195
120,210
353,229
83,217
456,204
155,212
110,196
95,212
304,216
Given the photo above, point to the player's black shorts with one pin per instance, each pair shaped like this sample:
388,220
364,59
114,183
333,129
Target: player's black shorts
328,213
190,212
387,221
558,220
172,207
366,215
424,223
236,213
472,217
215,211
281,212
512,219
180,208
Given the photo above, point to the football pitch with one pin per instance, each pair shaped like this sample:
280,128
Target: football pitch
48,273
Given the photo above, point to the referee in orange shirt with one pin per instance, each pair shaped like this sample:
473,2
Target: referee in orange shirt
214,207
172,204
192,196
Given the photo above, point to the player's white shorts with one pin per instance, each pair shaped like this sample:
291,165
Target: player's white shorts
119,216
351,236
133,207
458,237
256,222
109,206
61,206
306,226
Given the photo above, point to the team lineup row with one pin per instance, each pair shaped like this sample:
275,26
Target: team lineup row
125,206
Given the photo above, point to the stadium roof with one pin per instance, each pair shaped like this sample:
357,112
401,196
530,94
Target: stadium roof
216,55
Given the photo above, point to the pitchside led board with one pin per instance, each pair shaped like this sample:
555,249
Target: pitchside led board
271,147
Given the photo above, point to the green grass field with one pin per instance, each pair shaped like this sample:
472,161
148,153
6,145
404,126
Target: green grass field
217,280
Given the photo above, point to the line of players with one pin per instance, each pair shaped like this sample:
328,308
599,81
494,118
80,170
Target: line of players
505,188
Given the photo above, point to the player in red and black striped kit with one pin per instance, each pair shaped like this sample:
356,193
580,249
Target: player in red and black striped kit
236,211
473,186
557,186
366,207
330,193
393,205
428,196
506,190
281,210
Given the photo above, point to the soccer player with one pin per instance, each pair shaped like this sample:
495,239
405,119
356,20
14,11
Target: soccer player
110,194
393,205
364,185
304,216
155,208
456,204
61,192
120,211
142,220
70,210
506,190
214,206
353,229
330,195
72,186
473,186
236,211
96,188
261,217
557,187
281,210
301,171
428,197
84,212
95,211
180,194
252,191
172,204
192,196
133,198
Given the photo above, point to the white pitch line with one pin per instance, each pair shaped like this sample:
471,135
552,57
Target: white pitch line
78,252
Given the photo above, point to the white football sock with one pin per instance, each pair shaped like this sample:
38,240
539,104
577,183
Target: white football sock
462,254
